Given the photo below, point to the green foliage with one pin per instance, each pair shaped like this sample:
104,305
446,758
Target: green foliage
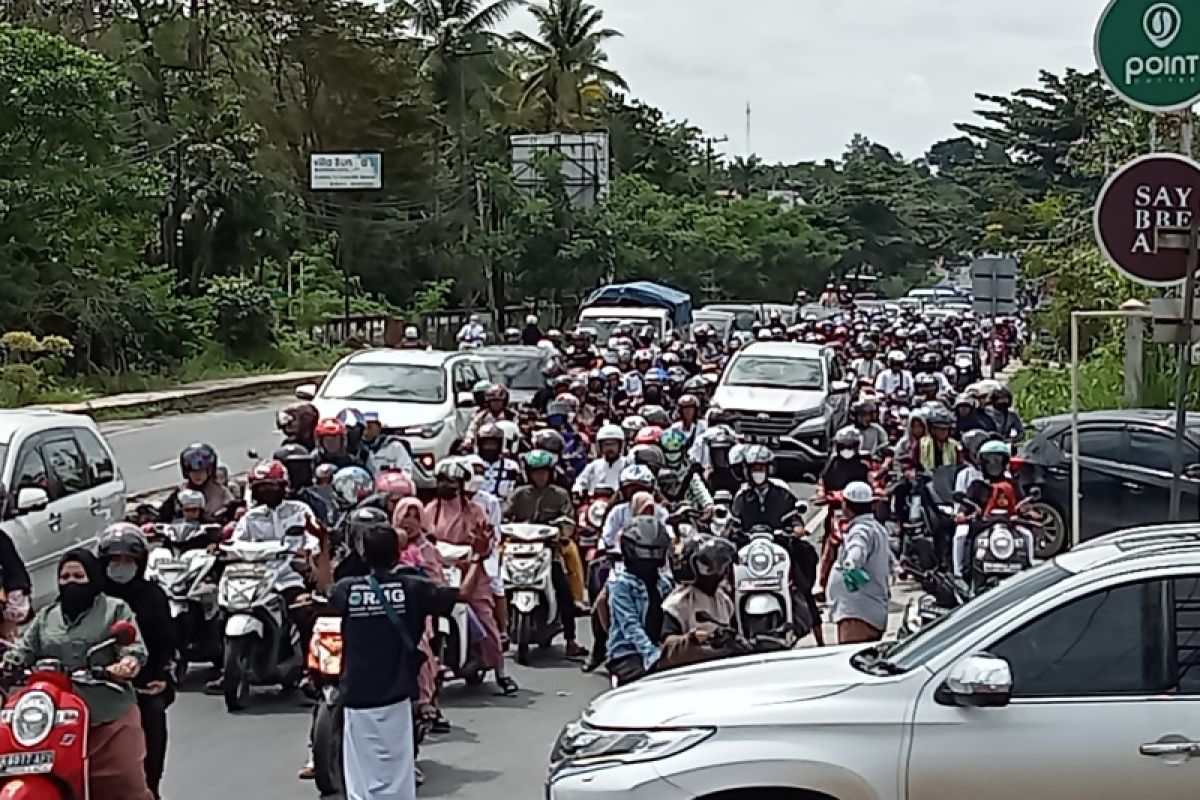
243,314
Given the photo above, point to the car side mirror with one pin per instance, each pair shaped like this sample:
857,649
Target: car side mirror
980,680
465,400
31,498
840,387
306,391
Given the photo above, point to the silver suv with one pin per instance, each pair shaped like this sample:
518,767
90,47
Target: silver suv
59,488
1079,679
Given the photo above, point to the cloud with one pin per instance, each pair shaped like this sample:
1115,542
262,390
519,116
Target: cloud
817,71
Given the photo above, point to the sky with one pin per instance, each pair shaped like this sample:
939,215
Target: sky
815,72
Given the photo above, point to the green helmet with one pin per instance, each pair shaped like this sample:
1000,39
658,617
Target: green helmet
539,459
994,448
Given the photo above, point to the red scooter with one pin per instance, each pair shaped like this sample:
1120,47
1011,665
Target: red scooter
44,727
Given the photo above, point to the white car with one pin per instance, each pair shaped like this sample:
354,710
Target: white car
59,489
422,396
786,395
1077,680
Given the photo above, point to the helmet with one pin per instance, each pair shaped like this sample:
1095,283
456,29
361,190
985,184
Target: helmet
265,472
198,457
710,555
939,418
610,433
897,356
688,400
412,333
655,415
757,454
568,400
540,459
966,399
512,335
330,426
531,319
453,469
994,459
496,391
864,405
123,539
489,431
651,434
298,462
973,441
395,485
632,424
669,481
672,441
362,520
557,408
994,448
511,433
190,499
1000,393
637,475
848,437
352,484
351,418
648,455
297,417
924,381
551,440
645,538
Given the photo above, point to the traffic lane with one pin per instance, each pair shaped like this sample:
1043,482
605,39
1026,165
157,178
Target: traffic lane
147,450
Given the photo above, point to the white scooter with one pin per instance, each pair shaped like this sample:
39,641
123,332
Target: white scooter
764,597
182,563
451,640
262,646
526,565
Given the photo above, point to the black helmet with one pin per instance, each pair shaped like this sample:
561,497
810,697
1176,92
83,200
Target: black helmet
1000,393
549,440
669,482
712,555
973,440
362,520
655,415
940,418
298,462
198,457
123,539
649,455
645,538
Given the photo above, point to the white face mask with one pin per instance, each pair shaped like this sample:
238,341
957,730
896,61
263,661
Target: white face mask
847,453
758,477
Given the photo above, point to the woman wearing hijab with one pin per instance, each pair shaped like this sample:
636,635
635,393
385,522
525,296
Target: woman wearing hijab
83,614
454,518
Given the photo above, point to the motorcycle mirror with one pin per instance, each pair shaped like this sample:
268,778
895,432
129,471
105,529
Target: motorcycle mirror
1034,494
801,507
123,633
252,454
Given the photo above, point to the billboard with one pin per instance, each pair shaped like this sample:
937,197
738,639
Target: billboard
585,163
345,172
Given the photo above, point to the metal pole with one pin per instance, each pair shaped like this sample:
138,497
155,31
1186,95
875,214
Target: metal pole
1075,428
1185,364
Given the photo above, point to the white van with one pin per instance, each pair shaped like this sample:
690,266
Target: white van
604,319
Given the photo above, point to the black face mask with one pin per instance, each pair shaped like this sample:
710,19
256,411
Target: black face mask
709,584
270,496
447,492
1002,406
489,453
76,598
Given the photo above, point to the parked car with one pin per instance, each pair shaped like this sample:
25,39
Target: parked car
1074,679
788,396
424,397
522,369
1125,470
746,314
63,489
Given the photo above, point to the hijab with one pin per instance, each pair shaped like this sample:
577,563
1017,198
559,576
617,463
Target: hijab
76,598
412,555
456,520
641,503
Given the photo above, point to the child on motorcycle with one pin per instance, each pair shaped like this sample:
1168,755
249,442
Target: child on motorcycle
996,491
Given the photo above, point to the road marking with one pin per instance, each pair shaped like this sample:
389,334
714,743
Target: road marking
164,464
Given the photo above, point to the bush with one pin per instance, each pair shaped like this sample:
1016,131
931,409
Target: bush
19,385
244,314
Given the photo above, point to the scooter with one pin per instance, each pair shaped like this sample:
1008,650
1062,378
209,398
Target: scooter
182,562
451,641
44,726
1001,549
262,647
764,598
324,669
526,565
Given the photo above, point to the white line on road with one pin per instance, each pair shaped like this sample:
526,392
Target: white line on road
164,464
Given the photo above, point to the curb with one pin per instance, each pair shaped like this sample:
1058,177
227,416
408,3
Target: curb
184,399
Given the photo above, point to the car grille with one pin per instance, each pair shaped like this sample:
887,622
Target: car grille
752,423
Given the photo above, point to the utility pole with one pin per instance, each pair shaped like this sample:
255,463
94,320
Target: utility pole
709,158
749,148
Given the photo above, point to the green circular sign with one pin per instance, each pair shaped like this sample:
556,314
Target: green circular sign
1149,52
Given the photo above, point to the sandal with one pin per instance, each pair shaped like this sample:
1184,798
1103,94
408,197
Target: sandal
508,687
440,723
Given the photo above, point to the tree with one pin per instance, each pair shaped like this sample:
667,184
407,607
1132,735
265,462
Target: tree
566,79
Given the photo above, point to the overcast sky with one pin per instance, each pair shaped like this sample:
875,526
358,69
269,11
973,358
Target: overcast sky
815,72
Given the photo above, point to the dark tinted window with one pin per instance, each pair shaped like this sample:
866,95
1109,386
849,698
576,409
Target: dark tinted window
1106,643
1154,450
99,463
66,463
1104,443
1186,604
31,472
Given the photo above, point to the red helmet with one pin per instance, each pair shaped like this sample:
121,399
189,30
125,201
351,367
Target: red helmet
497,391
395,484
648,435
330,426
268,472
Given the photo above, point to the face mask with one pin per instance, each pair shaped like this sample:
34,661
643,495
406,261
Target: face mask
1001,407
709,584
76,598
122,573
268,496
447,492
758,476
847,453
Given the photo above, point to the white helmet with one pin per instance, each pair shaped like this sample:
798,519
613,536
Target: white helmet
610,433
637,474
531,319
633,423
454,469
411,332
897,357
858,492
512,434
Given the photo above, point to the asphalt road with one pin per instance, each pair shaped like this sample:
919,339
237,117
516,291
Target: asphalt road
147,450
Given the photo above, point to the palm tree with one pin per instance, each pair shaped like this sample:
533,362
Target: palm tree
565,80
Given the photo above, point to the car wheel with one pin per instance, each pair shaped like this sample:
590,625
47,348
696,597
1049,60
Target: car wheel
1052,538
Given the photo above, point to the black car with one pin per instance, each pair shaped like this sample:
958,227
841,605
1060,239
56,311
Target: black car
1125,469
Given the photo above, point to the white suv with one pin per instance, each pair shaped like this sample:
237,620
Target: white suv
1078,680
59,488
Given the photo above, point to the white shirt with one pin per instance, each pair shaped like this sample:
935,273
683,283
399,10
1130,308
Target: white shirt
265,524
699,452
472,332
618,518
491,507
600,473
890,382
499,476
867,369
633,383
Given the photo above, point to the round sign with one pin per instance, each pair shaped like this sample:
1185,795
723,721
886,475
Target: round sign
1149,52
1160,190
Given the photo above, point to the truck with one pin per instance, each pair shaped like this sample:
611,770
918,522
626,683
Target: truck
665,309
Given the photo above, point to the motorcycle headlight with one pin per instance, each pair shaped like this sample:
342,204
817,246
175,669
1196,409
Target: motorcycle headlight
759,561
33,719
581,745
595,514
1002,544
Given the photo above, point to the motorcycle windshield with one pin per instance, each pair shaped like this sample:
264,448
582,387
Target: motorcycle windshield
941,486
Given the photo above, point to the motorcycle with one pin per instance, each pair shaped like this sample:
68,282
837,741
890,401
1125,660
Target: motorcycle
967,368
998,354
944,591
589,521
182,562
451,641
526,563
33,764
1000,549
262,646
764,597
836,525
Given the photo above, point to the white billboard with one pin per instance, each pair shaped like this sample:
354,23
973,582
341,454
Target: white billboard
342,172
585,166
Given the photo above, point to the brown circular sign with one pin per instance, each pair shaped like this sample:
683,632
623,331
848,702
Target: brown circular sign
1160,190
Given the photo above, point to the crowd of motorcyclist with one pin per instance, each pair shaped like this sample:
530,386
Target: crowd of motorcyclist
652,492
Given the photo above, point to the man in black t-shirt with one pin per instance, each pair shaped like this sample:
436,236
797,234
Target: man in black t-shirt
383,618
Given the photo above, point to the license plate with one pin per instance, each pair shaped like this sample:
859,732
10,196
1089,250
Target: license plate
27,763
1001,569
521,549
769,441
168,564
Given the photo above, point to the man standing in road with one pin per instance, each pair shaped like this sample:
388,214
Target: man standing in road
859,588
383,617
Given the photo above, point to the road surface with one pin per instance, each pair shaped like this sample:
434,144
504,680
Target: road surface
147,450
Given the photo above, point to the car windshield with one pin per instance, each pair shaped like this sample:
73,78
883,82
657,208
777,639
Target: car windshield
520,372
775,372
604,327
396,383
932,639
743,317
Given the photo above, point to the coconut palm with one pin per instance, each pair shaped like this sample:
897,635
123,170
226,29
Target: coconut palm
565,79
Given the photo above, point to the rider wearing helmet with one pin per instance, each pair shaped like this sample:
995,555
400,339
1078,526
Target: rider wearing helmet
845,465
355,423
938,449
1008,422
865,413
635,597
300,468
531,334
604,471
575,444
707,562
198,464
868,364
499,474
994,491
690,423
351,485
762,501
123,552
968,416
896,380
297,423
331,444
495,408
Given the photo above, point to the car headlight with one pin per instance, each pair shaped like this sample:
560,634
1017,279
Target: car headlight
815,424
1002,544
33,719
427,431
580,745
